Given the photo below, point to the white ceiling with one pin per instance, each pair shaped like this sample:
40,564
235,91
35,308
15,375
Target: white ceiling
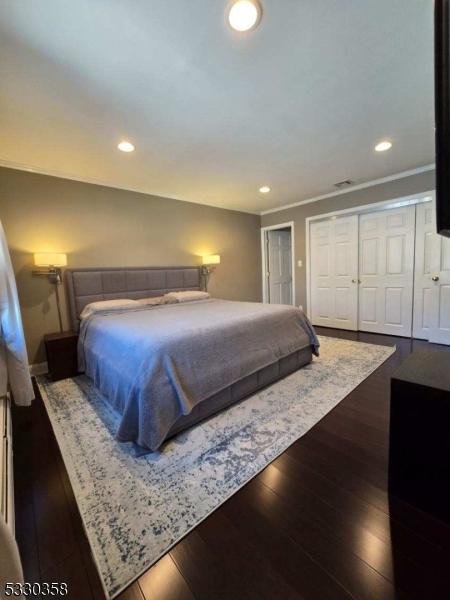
297,104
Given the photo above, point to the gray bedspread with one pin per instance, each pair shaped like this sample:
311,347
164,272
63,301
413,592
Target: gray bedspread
154,364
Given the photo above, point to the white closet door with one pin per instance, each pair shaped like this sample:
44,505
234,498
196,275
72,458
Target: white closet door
334,272
280,267
432,279
386,266
427,253
440,325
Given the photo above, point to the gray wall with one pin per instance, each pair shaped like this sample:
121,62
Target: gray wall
414,184
100,226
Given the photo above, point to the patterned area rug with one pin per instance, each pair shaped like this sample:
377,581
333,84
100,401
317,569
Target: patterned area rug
135,509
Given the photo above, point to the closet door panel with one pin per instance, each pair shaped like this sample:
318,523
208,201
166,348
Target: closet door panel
395,255
369,256
345,272
334,272
427,254
425,317
440,329
431,279
445,254
322,304
444,307
342,302
368,305
323,261
386,242
394,306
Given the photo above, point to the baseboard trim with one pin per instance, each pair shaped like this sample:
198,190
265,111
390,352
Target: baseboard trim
38,369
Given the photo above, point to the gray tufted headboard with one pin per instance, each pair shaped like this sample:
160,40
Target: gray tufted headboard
90,285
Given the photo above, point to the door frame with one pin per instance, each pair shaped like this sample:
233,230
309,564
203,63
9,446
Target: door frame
364,208
264,257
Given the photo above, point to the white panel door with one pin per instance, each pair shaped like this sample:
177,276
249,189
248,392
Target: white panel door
427,255
334,272
386,267
440,327
280,267
432,279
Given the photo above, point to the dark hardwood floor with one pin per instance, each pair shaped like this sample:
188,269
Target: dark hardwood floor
317,523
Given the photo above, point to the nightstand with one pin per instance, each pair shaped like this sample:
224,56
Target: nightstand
61,349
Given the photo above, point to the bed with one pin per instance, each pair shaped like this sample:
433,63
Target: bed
164,368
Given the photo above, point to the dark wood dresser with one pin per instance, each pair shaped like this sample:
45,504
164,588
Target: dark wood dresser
419,453
61,349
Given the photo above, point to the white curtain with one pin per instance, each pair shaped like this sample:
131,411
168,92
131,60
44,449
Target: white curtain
14,370
10,565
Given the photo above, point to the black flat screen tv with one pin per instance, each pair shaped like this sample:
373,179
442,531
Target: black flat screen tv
442,101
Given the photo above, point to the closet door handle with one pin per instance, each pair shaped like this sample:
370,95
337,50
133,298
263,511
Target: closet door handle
354,281
435,278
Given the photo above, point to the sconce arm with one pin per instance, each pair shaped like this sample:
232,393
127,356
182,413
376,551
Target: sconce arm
53,273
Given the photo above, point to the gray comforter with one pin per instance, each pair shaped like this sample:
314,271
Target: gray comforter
154,364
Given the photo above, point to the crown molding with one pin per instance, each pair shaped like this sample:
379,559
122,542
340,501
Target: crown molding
93,181
353,188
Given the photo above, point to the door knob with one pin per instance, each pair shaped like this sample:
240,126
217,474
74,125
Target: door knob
354,281
435,278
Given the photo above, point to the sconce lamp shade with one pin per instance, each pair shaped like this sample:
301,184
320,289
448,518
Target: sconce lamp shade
47,259
211,259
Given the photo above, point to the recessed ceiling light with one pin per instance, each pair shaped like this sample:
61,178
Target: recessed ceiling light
383,146
126,147
244,15
264,189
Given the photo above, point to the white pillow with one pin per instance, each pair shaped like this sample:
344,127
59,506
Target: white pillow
173,297
94,307
152,301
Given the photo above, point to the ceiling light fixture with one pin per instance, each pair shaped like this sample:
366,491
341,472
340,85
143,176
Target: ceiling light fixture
383,146
126,146
244,15
265,189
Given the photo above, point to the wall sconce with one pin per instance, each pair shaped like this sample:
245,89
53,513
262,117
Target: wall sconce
209,261
52,262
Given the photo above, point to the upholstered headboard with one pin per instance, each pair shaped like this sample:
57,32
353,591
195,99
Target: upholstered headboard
90,285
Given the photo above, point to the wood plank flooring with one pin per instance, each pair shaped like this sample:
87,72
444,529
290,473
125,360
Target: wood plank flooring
316,524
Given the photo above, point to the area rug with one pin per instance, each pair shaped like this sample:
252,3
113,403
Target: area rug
135,509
